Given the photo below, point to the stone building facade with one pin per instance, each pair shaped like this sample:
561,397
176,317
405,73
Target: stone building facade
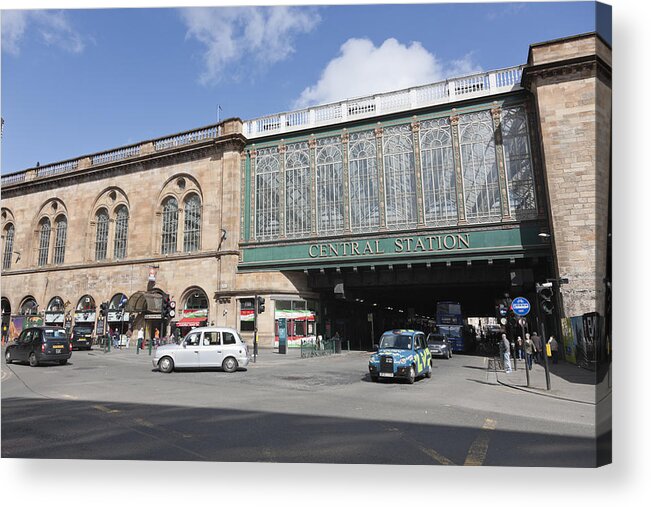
185,209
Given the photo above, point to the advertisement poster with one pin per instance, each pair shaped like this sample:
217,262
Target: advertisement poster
569,343
300,326
20,322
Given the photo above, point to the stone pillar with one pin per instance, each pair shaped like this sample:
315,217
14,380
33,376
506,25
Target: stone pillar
380,171
458,172
415,130
282,149
253,155
496,113
570,80
346,180
312,147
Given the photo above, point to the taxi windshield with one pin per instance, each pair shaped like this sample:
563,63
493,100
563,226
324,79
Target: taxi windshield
396,341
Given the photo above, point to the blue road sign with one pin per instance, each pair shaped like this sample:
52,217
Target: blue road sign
521,306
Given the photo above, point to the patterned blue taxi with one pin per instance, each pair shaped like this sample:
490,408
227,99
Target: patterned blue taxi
402,353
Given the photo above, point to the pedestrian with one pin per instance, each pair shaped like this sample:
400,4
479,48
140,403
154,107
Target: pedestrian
141,338
539,348
520,352
128,340
505,347
553,345
116,338
156,337
529,349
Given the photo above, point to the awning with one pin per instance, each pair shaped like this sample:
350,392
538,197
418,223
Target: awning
144,302
191,322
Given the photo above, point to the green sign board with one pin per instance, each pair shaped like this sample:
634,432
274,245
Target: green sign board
516,241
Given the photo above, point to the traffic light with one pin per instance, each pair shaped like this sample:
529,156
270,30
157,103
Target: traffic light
165,310
260,303
103,310
545,297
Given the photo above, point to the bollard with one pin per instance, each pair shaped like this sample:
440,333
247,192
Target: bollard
149,346
108,343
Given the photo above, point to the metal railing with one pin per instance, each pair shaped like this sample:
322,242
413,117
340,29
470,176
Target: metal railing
312,349
451,90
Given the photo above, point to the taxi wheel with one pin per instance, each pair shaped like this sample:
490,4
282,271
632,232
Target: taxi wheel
8,357
412,375
429,371
63,361
229,365
166,365
374,378
32,360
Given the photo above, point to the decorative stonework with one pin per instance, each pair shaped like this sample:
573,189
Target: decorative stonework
496,114
461,201
379,131
415,130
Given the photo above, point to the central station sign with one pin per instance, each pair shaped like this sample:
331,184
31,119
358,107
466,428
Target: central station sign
514,241
397,246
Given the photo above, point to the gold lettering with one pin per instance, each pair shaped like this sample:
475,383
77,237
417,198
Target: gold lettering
398,244
409,240
465,241
323,250
438,241
345,245
419,245
431,245
445,241
355,248
314,254
368,248
377,247
333,250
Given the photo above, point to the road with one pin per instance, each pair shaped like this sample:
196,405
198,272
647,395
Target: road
286,409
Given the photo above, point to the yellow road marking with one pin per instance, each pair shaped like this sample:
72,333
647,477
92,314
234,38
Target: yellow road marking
479,448
430,452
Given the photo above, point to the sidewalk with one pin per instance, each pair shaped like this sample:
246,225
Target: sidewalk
567,382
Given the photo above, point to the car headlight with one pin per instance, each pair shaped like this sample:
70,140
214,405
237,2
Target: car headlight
402,360
374,359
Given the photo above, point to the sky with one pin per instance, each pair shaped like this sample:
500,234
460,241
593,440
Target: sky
79,81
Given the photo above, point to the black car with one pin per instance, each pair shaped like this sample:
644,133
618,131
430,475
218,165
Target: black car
82,337
439,345
40,345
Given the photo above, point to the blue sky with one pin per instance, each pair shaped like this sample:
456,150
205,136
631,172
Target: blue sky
80,81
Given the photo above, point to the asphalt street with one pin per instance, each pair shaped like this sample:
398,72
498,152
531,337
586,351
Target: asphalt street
286,409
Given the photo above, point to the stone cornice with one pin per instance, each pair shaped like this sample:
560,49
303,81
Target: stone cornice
235,142
122,263
593,64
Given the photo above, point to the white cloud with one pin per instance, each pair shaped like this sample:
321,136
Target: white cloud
52,27
263,35
363,69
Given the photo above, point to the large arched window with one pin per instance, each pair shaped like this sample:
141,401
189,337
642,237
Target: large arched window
297,190
267,194
399,176
60,239
437,163
192,224
101,235
9,246
363,175
121,232
329,185
44,241
29,306
170,225
478,160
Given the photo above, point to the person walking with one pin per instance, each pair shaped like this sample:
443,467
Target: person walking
529,349
156,337
141,338
553,345
520,353
128,335
539,347
505,347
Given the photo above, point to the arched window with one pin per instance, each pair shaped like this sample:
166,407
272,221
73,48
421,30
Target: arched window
9,246
101,236
267,194
121,232
60,239
363,176
170,225
329,185
29,306
479,163
298,212
192,229
44,242
437,163
399,177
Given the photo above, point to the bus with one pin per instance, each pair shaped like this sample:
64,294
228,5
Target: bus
449,323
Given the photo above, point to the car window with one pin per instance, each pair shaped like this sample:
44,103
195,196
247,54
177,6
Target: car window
29,336
211,338
192,339
54,334
393,341
228,338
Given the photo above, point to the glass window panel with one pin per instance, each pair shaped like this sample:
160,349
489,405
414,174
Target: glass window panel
101,235
364,183
437,163
170,225
479,167
519,167
192,228
267,194
121,232
399,177
60,240
298,211
9,246
329,184
44,242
